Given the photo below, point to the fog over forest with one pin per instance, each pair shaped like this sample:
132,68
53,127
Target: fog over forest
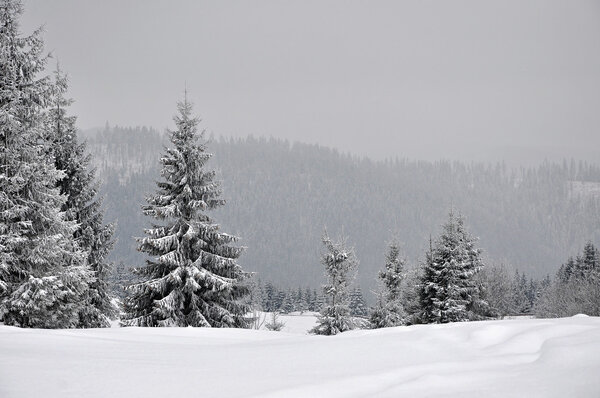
281,196
465,80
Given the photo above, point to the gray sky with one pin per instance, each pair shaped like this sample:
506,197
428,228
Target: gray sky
422,79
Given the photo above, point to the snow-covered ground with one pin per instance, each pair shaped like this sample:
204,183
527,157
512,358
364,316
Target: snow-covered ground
295,322
509,358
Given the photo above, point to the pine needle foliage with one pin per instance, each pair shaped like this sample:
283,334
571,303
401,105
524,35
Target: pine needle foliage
449,289
193,278
43,275
340,266
389,310
82,205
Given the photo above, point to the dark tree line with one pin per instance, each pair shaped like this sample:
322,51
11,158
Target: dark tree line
270,297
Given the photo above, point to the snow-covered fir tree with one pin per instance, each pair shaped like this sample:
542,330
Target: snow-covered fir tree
300,303
307,300
256,293
43,274
274,324
449,290
358,307
312,301
499,290
269,294
378,316
575,289
519,287
287,305
478,307
411,287
320,301
390,310
587,265
566,270
584,266
82,205
279,300
193,278
340,267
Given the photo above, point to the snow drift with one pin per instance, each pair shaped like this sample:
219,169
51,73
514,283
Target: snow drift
532,358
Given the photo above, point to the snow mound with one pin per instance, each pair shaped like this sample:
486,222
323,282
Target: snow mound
523,357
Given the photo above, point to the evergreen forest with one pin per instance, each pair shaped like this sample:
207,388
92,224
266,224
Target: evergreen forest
281,195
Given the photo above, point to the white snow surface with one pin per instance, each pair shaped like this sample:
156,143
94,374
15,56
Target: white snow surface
295,322
508,358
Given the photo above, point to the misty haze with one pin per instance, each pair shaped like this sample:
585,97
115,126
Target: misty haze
299,199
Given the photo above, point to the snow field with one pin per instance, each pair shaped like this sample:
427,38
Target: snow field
294,322
509,358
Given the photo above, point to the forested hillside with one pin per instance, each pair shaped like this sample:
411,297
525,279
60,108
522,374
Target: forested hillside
281,196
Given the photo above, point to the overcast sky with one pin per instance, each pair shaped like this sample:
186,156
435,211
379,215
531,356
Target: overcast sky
422,79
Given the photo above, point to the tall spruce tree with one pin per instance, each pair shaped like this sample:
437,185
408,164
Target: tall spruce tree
340,265
82,205
193,278
43,274
449,290
389,310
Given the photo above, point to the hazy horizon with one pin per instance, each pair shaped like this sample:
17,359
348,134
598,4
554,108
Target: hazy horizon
418,79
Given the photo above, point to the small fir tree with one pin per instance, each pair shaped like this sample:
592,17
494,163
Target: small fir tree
256,293
287,305
300,301
499,288
521,304
314,302
321,301
340,266
390,310
358,307
274,324
279,300
449,291
193,278
306,300
411,286
378,317
268,297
